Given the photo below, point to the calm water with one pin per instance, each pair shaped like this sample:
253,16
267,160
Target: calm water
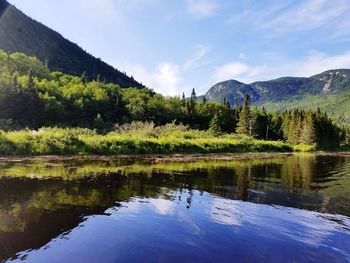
285,209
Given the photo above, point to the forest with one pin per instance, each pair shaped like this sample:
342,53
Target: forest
32,97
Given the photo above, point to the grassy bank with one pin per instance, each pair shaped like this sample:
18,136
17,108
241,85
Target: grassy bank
130,139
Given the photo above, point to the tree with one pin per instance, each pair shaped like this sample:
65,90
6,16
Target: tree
215,124
183,100
191,108
308,134
244,122
275,126
192,103
236,111
259,123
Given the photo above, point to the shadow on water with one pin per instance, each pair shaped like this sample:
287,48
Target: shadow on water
41,200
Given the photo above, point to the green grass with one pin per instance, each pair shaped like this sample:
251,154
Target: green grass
136,138
304,148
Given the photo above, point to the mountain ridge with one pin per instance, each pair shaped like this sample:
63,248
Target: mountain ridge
20,33
283,88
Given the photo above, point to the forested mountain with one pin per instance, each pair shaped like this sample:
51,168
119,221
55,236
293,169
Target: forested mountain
328,82
328,91
20,33
337,105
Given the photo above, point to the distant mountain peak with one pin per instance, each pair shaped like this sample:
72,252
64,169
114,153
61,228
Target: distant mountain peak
284,88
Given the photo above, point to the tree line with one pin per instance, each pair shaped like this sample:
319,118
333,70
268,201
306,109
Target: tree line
32,96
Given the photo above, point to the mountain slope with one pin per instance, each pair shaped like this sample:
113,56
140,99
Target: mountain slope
329,91
337,105
331,81
20,33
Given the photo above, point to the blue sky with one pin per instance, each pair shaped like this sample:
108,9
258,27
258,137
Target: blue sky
176,45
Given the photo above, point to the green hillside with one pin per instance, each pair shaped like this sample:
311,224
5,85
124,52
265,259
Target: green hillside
336,105
20,33
328,91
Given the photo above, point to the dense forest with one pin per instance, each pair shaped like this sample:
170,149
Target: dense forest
32,97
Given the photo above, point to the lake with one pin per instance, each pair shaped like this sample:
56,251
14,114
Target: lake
284,208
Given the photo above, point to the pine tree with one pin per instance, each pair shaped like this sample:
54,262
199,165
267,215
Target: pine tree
192,103
183,100
275,126
193,97
259,123
294,127
236,110
244,122
308,133
215,126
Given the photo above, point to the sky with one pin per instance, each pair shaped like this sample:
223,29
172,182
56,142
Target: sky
173,46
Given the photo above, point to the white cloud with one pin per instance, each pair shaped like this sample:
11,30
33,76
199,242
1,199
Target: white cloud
195,60
317,62
313,63
167,78
308,15
237,70
201,8
275,19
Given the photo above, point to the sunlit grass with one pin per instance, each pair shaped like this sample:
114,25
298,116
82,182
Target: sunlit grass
304,148
137,139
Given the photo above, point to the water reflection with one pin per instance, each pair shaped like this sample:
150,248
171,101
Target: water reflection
42,203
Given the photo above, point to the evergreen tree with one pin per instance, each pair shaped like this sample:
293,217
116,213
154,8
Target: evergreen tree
192,103
183,100
308,132
275,131
215,124
236,111
193,97
259,124
244,122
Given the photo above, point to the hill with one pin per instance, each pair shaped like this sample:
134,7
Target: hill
20,33
329,91
336,105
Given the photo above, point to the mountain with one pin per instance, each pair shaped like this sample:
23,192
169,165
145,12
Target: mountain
20,33
328,82
329,91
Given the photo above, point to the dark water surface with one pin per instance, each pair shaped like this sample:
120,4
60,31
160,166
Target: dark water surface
284,209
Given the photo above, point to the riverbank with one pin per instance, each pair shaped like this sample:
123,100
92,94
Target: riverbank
146,158
143,141
164,158
55,141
